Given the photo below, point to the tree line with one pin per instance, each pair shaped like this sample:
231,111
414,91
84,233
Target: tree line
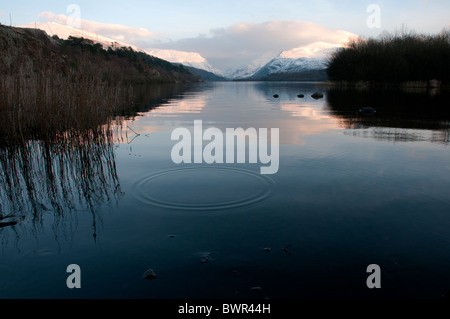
393,57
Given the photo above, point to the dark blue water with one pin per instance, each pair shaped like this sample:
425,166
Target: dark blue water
350,191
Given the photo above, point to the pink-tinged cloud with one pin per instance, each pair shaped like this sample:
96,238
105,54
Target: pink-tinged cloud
244,42
114,31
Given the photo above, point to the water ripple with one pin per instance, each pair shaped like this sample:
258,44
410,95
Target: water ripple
203,188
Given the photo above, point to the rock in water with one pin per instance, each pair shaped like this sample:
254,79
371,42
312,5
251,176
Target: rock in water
276,96
257,290
149,275
317,95
367,110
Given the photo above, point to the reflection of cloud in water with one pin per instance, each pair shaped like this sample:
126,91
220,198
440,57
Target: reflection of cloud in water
173,109
310,119
309,111
176,108
232,106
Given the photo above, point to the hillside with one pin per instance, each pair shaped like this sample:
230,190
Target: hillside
24,50
205,75
65,31
52,88
187,59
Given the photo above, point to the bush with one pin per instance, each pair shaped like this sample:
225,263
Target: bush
398,57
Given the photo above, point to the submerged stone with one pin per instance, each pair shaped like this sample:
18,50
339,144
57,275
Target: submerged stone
257,290
6,224
205,259
149,275
367,110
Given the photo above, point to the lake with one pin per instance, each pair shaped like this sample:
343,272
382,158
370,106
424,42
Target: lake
351,190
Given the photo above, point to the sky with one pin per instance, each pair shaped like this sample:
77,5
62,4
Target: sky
232,32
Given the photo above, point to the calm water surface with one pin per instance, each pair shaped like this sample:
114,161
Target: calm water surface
351,191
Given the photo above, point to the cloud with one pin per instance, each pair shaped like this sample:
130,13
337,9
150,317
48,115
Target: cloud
114,31
243,42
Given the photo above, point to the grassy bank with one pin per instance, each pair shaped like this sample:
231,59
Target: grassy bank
58,102
50,86
47,104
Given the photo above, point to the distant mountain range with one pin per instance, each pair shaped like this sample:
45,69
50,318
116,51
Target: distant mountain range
190,59
307,63
303,64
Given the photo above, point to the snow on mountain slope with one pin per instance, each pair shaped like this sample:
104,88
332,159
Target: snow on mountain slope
64,32
311,57
186,58
317,50
192,59
248,70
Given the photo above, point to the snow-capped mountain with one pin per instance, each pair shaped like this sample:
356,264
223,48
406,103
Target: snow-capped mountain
317,50
248,70
288,65
311,57
192,59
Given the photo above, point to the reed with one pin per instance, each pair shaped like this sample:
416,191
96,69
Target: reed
46,104
47,180
58,125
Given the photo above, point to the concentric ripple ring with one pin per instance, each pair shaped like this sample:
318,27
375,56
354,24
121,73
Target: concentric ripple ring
203,188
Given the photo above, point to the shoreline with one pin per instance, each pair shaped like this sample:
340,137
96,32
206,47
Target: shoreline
424,86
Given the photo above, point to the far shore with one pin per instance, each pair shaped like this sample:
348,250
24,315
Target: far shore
407,85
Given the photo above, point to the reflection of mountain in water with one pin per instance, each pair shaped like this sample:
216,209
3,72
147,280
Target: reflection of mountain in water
401,115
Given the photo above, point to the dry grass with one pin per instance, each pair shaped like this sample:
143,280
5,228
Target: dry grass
45,105
57,128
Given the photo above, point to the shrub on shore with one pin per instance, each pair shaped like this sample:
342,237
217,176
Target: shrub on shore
399,57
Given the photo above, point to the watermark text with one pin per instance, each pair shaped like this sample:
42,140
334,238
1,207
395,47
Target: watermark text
236,145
